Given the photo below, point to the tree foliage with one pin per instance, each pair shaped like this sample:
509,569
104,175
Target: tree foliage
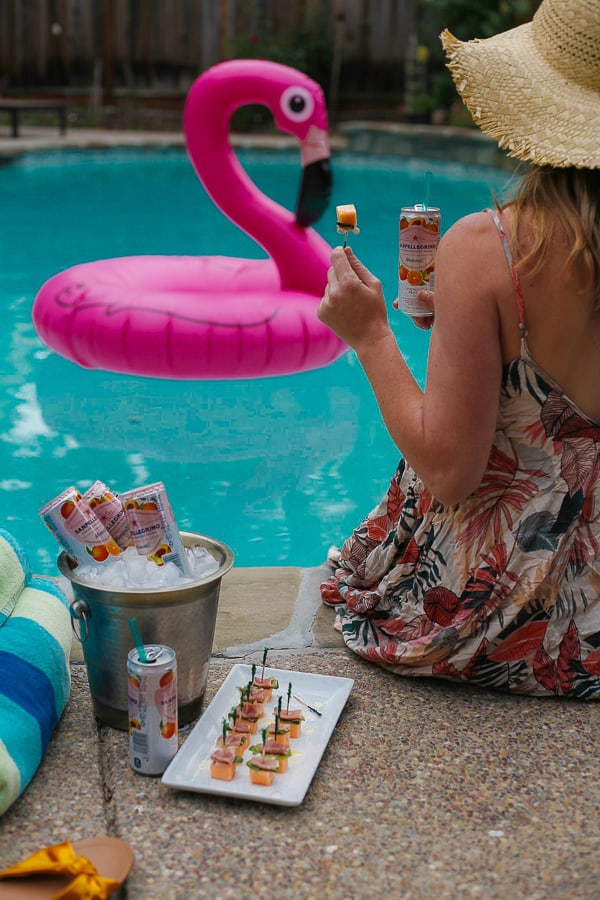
468,19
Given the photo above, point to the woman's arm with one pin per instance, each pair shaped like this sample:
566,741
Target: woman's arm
446,431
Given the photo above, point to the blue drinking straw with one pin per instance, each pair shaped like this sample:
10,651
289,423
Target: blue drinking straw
428,177
137,639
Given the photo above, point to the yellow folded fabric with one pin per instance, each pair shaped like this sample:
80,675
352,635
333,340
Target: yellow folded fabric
61,859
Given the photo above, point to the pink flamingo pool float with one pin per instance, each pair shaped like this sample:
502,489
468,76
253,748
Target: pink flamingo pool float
201,317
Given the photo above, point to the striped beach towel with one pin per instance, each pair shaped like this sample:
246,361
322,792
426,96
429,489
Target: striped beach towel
35,645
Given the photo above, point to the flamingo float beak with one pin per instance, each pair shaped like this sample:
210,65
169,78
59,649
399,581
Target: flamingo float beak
315,191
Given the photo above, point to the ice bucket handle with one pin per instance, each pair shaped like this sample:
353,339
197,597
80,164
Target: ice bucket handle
80,612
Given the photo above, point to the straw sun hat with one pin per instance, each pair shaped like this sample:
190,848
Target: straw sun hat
536,88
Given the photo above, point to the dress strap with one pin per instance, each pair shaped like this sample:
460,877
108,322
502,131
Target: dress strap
513,269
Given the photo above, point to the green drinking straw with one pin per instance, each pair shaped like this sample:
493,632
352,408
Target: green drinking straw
137,639
428,177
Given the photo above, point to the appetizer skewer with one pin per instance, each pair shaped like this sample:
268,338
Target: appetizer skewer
224,759
292,717
346,220
307,705
268,684
262,767
279,732
275,750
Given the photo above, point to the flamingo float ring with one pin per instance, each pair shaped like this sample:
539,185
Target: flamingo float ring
209,317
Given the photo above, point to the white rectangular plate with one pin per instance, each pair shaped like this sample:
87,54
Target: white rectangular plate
190,769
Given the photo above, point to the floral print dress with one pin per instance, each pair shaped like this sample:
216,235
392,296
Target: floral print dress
503,589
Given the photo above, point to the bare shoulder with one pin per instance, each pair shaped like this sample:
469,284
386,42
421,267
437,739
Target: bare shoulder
470,252
478,226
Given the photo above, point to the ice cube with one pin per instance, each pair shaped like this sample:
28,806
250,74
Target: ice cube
167,575
202,562
89,573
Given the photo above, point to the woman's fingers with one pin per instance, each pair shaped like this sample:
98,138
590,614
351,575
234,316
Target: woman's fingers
424,322
353,305
346,265
426,299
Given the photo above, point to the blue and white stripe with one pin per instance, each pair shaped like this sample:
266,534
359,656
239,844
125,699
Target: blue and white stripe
35,645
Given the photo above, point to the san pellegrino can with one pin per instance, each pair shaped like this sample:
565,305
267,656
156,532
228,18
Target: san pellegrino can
152,526
109,510
152,696
419,238
78,529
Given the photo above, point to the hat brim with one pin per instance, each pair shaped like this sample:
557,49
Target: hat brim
515,95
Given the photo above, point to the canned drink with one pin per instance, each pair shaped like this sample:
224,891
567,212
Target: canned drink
109,510
152,703
420,228
78,529
153,528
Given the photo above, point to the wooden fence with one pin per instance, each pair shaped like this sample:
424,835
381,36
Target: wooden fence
163,44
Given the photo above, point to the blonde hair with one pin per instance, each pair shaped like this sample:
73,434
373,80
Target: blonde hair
567,199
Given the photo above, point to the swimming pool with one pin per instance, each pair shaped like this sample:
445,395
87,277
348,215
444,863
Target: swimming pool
278,468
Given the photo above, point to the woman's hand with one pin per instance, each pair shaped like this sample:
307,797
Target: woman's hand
353,305
425,298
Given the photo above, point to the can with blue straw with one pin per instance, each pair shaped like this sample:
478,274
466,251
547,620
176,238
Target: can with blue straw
420,227
152,695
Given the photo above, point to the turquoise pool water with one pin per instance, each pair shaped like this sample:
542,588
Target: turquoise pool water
278,468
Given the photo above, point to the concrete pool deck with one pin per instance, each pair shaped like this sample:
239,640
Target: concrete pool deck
426,789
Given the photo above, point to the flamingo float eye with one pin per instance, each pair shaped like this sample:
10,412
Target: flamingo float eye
297,103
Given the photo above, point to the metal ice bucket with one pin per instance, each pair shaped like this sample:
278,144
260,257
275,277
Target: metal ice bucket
182,617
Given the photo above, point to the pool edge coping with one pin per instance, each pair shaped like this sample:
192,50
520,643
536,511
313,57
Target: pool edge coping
467,146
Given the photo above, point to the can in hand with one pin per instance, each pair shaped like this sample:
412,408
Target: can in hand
420,228
152,696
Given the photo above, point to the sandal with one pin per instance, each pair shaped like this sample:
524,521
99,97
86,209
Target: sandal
91,869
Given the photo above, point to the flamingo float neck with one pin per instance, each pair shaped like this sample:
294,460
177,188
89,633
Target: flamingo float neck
211,103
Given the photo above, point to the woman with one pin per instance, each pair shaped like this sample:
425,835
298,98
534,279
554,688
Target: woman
482,562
